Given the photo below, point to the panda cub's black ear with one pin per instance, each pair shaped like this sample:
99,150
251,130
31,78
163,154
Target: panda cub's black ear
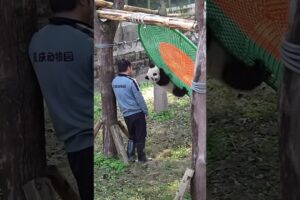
147,77
151,65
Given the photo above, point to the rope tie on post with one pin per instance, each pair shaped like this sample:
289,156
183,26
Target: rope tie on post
199,87
138,18
291,56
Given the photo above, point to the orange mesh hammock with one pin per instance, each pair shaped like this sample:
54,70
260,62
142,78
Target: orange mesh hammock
172,51
251,29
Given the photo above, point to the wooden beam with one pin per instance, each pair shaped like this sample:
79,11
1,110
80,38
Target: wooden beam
175,23
185,181
115,131
105,4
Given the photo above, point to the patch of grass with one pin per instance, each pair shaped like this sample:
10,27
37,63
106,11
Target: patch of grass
146,86
181,152
112,166
162,116
97,106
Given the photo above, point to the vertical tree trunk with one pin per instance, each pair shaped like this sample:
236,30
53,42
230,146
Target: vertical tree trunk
22,142
198,183
290,117
104,34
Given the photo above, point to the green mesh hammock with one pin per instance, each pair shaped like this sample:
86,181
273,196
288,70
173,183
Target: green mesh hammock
172,51
251,29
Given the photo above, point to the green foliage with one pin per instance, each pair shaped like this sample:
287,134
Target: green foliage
181,152
145,86
97,106
113,166
163,116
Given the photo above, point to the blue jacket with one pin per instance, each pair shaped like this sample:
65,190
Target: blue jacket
128,95
61,54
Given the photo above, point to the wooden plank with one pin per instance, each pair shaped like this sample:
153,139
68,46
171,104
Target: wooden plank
40,189
185,181
170,22
97,128
60,184
115,130
123,129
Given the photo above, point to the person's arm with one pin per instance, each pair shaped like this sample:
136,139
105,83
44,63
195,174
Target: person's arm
139,97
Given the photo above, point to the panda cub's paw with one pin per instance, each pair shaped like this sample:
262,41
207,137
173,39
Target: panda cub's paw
179,92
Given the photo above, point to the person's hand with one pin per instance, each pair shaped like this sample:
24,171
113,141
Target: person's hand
146,117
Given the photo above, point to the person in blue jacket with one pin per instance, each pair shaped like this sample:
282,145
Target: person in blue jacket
62,57
134,109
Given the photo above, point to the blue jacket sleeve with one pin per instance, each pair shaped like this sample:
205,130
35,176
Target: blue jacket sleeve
139,97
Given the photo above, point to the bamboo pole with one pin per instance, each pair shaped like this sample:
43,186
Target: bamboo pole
105,4
175,23
100,4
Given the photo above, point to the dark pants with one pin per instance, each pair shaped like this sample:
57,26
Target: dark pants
136,125
82,165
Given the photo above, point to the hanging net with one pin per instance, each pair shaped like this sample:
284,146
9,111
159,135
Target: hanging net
250,30
172,51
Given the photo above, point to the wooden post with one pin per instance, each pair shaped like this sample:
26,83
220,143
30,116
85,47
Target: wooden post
198,184
185,181
160,94
290,116
104,34
22,139
115,130
160,99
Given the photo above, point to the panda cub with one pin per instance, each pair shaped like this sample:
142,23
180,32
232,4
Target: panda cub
158,76
229,70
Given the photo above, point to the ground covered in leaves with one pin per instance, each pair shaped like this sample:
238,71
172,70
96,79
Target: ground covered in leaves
242,145
243,157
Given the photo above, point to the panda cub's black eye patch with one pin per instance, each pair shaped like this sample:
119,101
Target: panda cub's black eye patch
154,74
